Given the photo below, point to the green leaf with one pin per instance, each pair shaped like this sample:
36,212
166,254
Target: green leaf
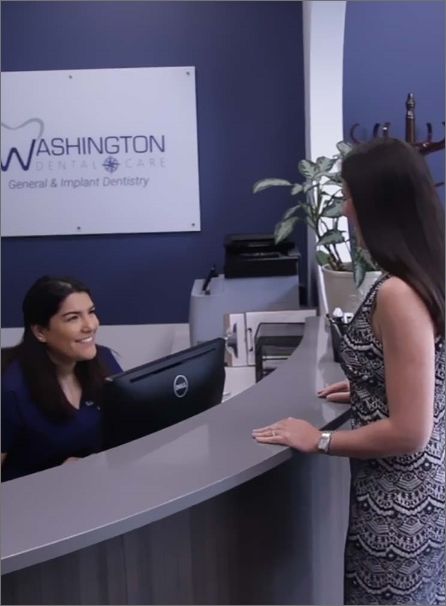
331,236
324,165
322,258
335,209
307,168
362,263
363,256
333,181
284,228
266,183
333,178
344,147
325,177
359,272
290,211
297,188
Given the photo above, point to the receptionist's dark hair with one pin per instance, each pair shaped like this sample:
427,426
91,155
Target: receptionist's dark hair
400,216
41,303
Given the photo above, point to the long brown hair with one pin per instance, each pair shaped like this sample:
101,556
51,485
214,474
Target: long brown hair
41,303
400,216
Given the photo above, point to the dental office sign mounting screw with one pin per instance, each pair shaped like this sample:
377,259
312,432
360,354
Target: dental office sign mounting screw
99,151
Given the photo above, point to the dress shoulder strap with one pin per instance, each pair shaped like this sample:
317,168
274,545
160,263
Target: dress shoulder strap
369,301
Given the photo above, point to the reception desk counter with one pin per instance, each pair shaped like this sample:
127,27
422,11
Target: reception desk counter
196,513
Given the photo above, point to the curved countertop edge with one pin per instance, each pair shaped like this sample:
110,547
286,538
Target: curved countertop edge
116,463
49,551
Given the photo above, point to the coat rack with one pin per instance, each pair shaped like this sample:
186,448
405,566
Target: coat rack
424,147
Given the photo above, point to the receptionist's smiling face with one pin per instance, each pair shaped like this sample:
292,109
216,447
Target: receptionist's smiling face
71,332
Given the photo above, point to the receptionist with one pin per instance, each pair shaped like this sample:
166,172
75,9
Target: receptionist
52,380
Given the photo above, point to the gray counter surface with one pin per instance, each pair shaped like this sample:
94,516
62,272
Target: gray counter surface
66,508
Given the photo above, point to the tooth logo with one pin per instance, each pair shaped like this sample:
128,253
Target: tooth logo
23,140
180,386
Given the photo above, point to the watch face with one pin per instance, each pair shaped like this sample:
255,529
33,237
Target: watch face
324,442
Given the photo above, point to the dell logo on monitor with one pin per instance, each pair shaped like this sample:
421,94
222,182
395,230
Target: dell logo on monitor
180,386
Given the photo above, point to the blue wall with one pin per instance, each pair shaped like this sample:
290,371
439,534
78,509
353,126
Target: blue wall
249,73
391,49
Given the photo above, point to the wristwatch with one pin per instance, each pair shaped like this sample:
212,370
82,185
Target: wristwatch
324,442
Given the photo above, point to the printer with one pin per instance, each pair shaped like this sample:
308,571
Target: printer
253,255
259,275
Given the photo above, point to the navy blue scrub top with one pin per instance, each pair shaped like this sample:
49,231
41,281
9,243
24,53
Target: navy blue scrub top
34,442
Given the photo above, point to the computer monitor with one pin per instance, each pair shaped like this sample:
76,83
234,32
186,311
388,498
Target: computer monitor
158,394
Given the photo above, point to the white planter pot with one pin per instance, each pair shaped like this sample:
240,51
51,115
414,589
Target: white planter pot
341,291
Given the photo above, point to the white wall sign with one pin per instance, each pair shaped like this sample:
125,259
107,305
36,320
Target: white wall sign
99,151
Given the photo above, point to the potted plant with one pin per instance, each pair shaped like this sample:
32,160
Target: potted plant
319,204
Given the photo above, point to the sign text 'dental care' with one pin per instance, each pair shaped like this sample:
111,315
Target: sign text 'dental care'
99,151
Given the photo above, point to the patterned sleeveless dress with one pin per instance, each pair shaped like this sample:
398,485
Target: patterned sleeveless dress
396,537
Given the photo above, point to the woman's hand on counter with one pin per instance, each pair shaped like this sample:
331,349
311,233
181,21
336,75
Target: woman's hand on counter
336,392
295,433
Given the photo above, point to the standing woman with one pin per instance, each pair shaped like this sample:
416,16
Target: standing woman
393,358
52,381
